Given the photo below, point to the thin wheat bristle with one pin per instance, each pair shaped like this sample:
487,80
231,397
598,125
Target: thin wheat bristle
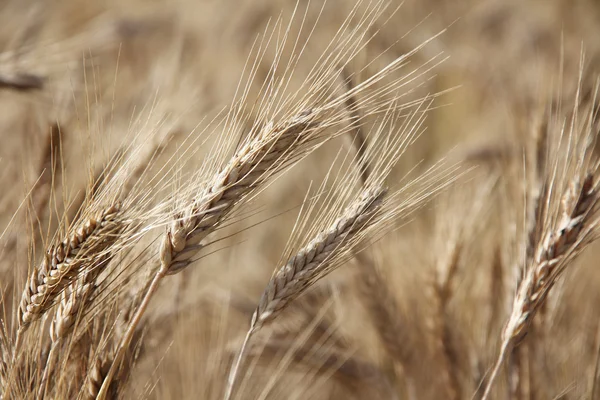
70,306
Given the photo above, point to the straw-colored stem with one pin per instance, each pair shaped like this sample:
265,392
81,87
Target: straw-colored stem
236,365
131,327
496,370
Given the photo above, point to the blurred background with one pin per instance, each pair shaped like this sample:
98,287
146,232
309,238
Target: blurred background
97,71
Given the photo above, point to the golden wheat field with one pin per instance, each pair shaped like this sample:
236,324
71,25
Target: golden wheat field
293,199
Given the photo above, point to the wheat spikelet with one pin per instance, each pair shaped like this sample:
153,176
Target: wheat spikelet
442,293
70,306
96,376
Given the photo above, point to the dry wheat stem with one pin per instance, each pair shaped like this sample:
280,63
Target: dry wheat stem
575,229
48,173
596,366
310,264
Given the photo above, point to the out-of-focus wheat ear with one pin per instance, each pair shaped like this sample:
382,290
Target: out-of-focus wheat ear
22,81
521,384
384,313
576,227
96,375
379,301
318,258
441,331
496,291
5,351
49,173
357,134
358,375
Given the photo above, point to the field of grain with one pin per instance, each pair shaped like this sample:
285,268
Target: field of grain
291,199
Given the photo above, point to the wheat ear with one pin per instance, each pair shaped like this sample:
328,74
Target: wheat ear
247,169
78,254
576,228
64,262
310,264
